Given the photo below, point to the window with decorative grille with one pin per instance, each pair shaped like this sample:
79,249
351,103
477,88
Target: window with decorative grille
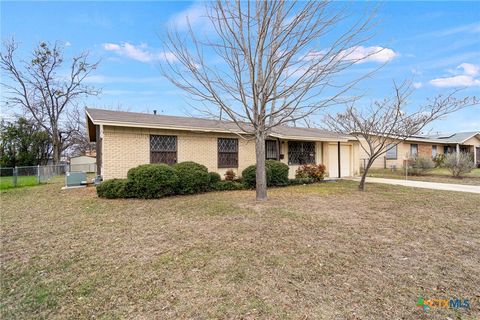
271,152
163,149
227,153
301,152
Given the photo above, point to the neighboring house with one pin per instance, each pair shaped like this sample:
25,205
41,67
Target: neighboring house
127,139
427,146
83,163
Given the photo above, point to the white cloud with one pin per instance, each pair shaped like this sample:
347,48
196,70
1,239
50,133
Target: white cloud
455,81
465,78
417,85
140,53
68,44
195,15
370,54
469,69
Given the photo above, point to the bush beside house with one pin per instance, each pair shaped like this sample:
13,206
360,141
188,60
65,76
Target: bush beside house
420,165
459,164
160,180
277,174
316,172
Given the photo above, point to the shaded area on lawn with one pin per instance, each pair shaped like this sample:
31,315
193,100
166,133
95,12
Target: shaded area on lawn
318,251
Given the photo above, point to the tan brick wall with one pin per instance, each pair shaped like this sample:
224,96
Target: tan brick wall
125,148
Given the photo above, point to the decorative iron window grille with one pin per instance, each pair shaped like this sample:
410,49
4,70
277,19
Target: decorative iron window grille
301,152
163,149
227,153
271,150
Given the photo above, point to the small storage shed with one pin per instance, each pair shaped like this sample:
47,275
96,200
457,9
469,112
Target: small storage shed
83,164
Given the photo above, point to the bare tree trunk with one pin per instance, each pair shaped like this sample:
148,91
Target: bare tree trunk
361,186
56,146
261,175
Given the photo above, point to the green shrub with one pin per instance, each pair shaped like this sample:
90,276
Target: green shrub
459,164
312,171
214,178
228,185
420,165
193,177
278,173
151,181
112,189
249,175
298,181
439,160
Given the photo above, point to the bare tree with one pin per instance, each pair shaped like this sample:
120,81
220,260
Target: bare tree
385,124
41,89
274,62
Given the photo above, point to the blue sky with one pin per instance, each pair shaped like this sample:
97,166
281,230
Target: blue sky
436,43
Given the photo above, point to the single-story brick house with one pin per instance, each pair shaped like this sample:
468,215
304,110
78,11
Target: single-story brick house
427,146
127,139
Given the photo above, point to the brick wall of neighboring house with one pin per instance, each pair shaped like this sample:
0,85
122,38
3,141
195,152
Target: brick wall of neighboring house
424,150
125,148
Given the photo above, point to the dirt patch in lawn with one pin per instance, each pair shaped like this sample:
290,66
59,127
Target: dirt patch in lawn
323,251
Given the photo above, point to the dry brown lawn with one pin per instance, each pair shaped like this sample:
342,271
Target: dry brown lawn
436,175
323,251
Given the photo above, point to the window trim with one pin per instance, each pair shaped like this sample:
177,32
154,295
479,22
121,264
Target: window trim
411,149
290,163
434,147
160,151
275,142
395,146
226,166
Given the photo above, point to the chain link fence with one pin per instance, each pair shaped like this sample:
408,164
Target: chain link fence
29,176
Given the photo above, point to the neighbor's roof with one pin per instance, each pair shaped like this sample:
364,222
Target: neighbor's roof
449,138
145,120
445,138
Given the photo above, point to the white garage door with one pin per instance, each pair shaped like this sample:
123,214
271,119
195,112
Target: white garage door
345,160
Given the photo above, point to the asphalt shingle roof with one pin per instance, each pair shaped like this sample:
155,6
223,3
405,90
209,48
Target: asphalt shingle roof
110,117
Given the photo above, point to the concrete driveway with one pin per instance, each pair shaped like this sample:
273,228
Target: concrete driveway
425,185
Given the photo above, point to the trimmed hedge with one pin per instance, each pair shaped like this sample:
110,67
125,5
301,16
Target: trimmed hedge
228,185
112,189
214,178
193,177
277,174
152,181
249,175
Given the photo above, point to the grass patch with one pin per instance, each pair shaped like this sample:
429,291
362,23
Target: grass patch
441,175
320,251
22,181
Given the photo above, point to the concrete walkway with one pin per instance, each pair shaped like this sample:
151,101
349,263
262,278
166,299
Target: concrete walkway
423,184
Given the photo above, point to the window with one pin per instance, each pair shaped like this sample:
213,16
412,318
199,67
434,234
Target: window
434,151
301,152
163,149
413,150
227,153
391,152
271,150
